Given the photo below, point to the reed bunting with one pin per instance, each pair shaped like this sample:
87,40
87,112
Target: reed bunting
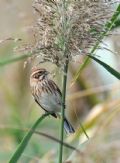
47,94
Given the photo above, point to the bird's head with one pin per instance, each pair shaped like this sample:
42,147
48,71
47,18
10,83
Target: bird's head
39,74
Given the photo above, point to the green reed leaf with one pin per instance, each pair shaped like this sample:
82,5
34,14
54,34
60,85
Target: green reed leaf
109,25
107,67
13,59
25,140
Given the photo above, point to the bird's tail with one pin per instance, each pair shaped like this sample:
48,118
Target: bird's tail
68,127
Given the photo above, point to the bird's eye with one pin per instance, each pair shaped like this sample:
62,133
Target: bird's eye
36,75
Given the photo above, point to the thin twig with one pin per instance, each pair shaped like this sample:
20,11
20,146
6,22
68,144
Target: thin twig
82,127
57,140
3,127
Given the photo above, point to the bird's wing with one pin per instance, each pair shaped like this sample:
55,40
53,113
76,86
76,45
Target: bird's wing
56,89
53,114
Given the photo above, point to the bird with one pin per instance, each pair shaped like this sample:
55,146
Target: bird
47,95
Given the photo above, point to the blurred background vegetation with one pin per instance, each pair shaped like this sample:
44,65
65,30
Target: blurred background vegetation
93,100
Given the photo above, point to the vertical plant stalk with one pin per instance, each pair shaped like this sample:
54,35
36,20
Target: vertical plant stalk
63,111
25,140
65,55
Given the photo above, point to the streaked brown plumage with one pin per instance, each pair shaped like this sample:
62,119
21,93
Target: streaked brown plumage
47,94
